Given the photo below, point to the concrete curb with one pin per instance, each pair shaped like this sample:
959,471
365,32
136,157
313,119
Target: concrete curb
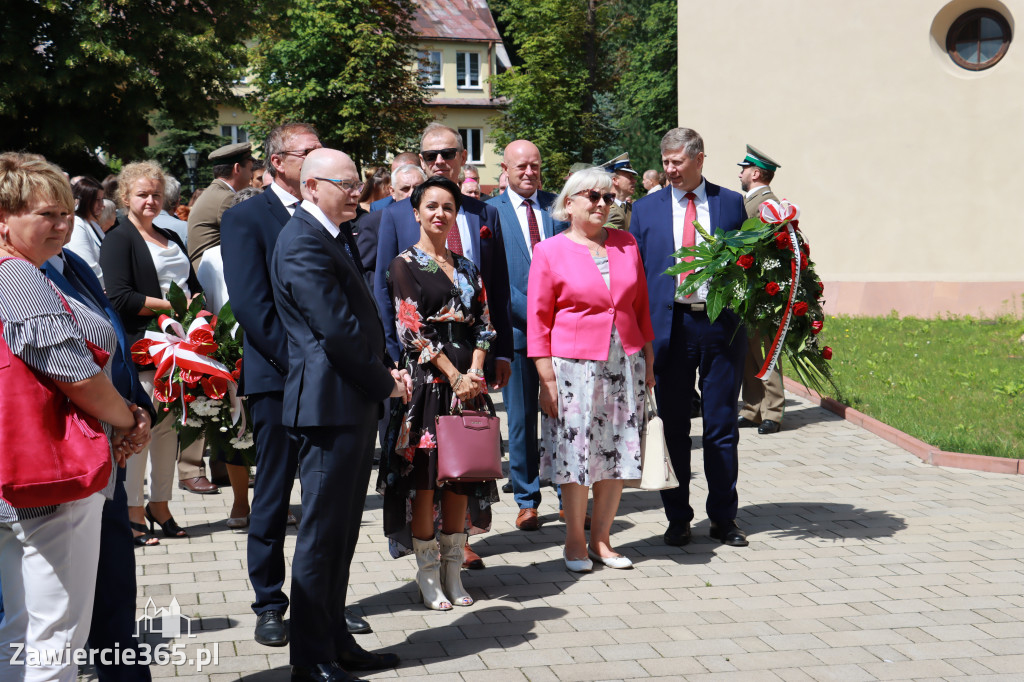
918,448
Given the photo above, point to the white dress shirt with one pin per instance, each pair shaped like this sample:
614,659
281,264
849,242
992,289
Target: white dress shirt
314,210
519,204
679,203
468,249
285,197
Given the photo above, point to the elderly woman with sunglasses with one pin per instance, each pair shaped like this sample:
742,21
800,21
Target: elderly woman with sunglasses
589,332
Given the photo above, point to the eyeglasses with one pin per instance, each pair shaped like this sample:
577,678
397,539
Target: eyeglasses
301,153
594,196
343,185
430,155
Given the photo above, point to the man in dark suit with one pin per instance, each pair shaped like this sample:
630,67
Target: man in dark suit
339,372
477,236
686,340
113,615
523,211
404,179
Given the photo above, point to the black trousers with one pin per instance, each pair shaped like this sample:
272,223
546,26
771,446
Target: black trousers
334,468
277,457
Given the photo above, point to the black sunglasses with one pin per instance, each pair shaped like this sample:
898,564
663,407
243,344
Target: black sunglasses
594,196
430,155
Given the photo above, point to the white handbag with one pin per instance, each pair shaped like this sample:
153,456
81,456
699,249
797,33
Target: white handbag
654,460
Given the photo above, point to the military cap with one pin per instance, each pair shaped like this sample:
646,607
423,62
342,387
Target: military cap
619,163
231,153
759,159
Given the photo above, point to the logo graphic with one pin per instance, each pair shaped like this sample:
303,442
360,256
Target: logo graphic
167,623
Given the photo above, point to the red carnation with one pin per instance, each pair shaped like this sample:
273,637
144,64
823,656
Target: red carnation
817,326
745,261
806,248
782,241
772,288
485,232
821,289
800,309
826,352
803,264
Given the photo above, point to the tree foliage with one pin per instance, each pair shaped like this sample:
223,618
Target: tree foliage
344,66
83,74
175,138
590,79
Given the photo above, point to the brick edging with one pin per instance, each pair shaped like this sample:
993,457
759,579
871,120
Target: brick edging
918,448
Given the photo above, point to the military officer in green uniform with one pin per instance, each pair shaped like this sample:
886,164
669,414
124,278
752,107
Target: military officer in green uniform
624,184
763,401
232,171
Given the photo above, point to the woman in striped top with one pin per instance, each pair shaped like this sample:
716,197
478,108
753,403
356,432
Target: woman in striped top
48,555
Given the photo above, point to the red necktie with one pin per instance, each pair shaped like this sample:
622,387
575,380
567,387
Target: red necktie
531,221
455,239
689,233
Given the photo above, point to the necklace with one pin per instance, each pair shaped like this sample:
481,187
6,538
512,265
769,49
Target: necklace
593,245
443,262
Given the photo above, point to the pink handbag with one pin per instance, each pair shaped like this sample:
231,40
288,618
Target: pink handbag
468,447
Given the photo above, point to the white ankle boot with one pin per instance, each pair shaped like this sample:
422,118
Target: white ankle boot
428,576
451,568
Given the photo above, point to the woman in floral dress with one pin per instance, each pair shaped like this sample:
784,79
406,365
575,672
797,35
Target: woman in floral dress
589,332
445,330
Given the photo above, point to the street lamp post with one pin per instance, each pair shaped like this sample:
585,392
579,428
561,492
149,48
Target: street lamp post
191,160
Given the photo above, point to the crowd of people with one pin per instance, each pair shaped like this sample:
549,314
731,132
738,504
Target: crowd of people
371,307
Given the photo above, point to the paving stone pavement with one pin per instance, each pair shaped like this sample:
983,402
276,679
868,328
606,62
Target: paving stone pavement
864,564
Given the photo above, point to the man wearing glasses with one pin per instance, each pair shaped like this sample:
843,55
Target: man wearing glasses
338,375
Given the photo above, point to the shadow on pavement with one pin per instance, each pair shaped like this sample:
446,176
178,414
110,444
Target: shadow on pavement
806,520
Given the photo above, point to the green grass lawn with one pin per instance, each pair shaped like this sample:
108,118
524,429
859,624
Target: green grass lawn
957,384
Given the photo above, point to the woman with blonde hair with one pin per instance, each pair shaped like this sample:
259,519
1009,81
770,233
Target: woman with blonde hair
140,261
589,332
49,554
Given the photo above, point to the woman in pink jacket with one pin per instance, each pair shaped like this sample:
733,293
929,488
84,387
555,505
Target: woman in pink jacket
589,331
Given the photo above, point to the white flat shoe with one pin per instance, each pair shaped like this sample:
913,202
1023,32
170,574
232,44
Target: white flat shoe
610,561
578,565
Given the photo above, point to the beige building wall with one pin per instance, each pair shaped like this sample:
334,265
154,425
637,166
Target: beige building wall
904,165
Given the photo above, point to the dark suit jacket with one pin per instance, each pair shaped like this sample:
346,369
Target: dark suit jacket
381,204
130,275
122,369
399,230
248,233
339,365
651,224
517,255
365,232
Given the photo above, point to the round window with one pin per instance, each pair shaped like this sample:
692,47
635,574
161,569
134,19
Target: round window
978,39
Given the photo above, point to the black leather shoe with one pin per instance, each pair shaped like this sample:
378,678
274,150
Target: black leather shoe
270,629
677,534
322,672
769,426
745,423
729,534
355,624
507,488
361,659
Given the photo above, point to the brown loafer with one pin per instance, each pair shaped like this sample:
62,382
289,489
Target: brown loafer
471,559
586,521
528,520
200,485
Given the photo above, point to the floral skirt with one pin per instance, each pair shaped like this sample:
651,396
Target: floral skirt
596,435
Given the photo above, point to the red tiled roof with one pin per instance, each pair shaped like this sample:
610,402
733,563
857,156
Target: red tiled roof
455,20
466,102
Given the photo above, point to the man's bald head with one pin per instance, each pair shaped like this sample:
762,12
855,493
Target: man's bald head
522,163
322,174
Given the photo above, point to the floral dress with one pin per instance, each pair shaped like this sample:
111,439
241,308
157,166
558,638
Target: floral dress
426,299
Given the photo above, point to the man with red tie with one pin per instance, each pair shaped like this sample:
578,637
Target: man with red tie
687,341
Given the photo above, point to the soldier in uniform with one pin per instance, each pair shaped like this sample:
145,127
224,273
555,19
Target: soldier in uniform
232,172
763,401
624,184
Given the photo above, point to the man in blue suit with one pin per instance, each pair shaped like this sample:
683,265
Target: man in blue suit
479,238
113,615
396,163
685,341
338,374
526,221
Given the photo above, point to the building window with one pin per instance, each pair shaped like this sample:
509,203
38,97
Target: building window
472,140
468,69
430,66
978,39
234,133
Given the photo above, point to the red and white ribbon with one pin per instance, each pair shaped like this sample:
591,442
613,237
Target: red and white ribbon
782,213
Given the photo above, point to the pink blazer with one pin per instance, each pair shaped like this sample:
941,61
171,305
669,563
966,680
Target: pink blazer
569,309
